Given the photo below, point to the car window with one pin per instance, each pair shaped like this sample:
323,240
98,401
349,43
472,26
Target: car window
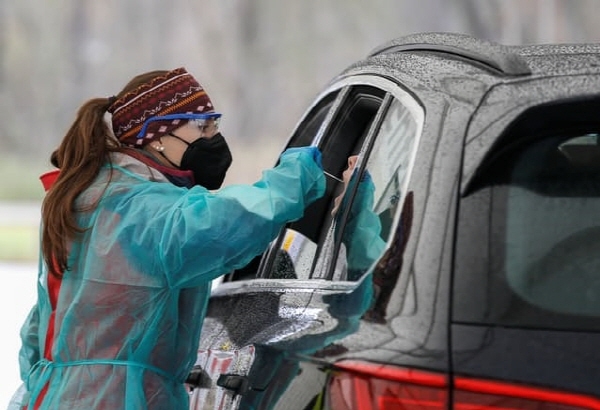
344,135
304,135
552,208
528,250
306,131
350,240
358,237
294,253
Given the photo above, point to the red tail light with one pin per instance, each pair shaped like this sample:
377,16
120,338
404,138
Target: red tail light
470,394
368,386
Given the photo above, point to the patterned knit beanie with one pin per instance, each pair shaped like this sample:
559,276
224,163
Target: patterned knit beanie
176,92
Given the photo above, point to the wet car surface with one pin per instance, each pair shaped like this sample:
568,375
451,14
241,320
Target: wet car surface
462,269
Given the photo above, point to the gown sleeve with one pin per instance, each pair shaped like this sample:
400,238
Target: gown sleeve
198,235
29,355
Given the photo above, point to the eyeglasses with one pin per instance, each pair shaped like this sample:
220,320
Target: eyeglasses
208,121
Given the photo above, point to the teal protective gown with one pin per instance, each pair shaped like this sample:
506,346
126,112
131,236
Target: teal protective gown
129,312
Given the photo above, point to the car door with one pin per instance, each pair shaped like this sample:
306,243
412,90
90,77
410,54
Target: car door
268,323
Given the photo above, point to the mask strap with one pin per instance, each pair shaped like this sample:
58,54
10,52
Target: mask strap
165,157
179,138
169,161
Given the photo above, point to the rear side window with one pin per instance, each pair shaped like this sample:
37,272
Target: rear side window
552,257
528,243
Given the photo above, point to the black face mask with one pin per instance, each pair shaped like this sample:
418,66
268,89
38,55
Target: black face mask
208,159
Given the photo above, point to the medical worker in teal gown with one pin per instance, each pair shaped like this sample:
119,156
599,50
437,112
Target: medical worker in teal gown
133,231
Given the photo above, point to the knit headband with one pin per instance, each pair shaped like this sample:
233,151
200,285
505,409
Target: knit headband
176,92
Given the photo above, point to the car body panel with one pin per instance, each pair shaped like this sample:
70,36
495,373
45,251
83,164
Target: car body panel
567,361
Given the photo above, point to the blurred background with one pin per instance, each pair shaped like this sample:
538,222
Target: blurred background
261,61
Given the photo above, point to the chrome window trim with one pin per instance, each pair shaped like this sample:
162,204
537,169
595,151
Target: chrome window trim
279,285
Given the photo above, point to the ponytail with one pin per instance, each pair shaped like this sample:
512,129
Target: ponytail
82,152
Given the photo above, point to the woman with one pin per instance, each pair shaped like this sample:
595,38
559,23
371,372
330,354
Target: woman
132,237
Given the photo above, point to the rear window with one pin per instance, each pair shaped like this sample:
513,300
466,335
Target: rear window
528,239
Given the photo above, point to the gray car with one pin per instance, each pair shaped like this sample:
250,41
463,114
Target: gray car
462,267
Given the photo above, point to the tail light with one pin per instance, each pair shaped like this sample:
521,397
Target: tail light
470,394
365,386
368,386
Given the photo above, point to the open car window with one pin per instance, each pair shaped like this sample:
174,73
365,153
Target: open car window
317,118
382,130
295,252
347,242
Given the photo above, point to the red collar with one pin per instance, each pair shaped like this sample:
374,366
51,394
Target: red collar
49,178
148,160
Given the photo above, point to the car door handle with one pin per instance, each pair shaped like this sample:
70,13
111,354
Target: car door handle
236,383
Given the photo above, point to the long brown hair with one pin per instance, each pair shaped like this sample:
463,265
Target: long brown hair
83,151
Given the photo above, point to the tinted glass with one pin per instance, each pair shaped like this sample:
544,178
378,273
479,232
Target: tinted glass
552,257
528,250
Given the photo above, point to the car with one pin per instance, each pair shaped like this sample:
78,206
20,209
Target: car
466,275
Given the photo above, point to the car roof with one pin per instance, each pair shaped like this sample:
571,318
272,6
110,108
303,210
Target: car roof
493,55
505,60
436,59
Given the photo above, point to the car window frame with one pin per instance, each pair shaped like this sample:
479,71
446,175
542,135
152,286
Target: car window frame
342,89
350,97
391,92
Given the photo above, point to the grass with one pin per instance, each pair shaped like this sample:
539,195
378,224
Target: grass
19,178
19,181
19,243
